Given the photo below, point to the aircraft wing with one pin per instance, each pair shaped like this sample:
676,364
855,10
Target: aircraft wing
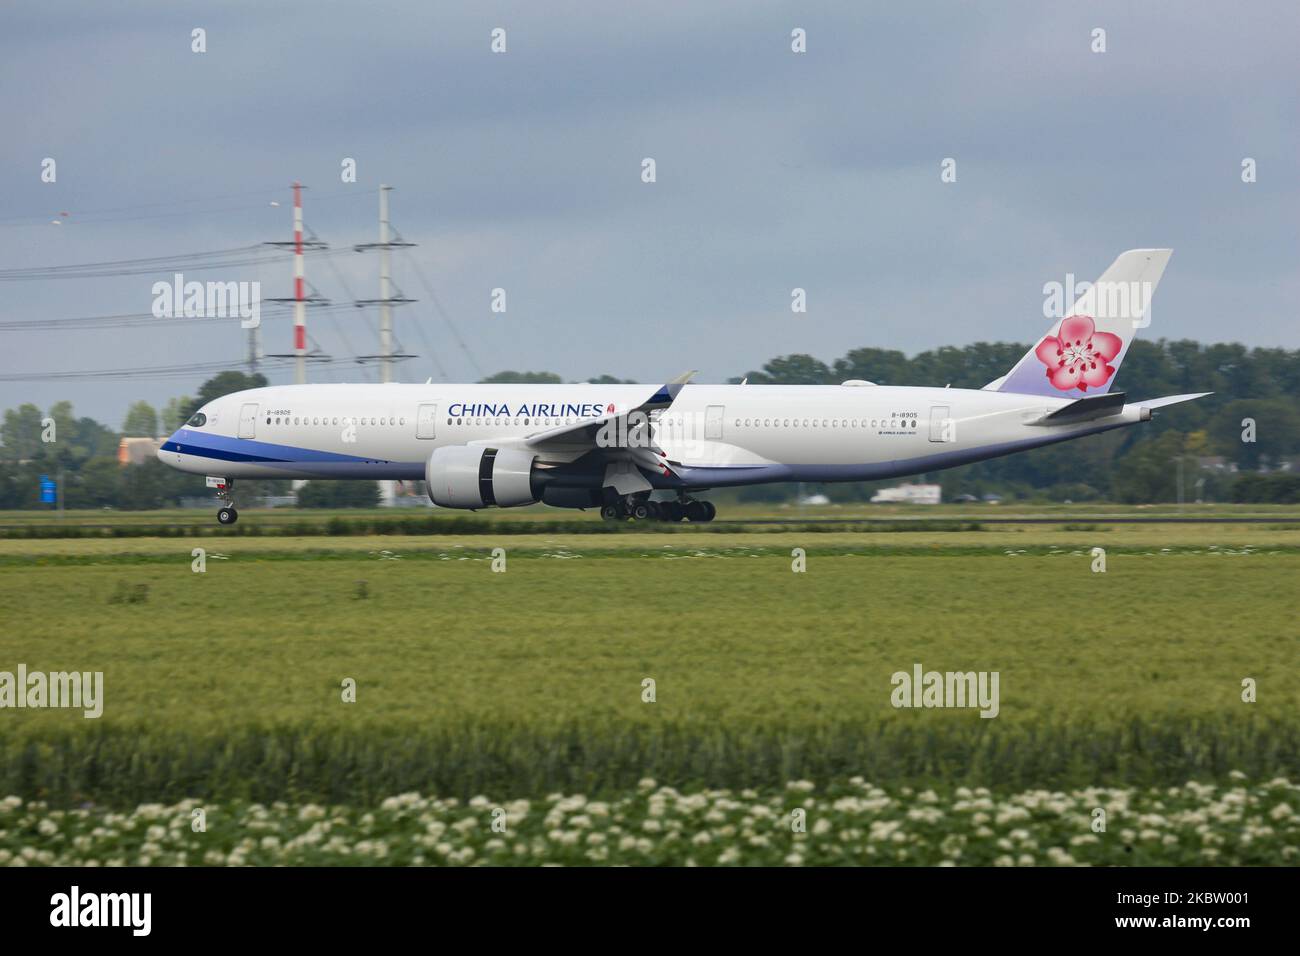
584,434
633,443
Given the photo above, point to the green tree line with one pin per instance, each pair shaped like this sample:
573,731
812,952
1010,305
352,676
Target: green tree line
1133,465
1252,421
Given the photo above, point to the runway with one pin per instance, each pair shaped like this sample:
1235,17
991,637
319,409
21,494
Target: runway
1010,519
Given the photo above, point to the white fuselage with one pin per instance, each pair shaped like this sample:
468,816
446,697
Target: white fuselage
715,435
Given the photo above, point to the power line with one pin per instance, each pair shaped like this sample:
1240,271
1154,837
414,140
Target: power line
334,319
129,320
437,304
193,261
92,217
157,371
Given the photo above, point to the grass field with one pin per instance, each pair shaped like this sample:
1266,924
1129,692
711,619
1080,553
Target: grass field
423,521
227,686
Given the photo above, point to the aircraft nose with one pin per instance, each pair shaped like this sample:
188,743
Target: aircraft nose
168,443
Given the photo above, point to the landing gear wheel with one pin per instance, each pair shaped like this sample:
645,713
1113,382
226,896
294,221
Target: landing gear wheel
696,513
710,511
610,513
670,511
641,511
227,516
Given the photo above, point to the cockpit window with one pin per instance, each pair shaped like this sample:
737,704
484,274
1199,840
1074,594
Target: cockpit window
198,420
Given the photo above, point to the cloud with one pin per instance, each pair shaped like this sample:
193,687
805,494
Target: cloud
775,170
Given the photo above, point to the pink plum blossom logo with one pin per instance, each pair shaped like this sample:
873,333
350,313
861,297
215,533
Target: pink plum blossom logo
1078,356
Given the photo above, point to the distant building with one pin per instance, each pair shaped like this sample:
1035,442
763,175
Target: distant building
1215,463
815,500
137,451
910,495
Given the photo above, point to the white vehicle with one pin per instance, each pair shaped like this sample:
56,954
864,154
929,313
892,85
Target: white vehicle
613,447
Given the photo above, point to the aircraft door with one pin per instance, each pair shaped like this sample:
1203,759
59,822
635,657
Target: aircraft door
713,421
426,421
942,426
248,421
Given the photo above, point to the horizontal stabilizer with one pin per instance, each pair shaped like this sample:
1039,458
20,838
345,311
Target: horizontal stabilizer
1084,409
1170,400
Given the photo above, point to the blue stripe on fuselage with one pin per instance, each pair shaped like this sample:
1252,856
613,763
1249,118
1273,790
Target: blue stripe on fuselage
221,448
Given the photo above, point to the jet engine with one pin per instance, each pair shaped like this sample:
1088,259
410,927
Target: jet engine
472,476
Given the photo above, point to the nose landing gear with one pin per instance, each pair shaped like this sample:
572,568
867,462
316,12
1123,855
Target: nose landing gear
227,514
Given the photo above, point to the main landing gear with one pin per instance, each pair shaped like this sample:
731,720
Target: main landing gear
227,515
642,508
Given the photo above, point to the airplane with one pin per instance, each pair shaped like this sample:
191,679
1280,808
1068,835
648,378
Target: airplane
645,451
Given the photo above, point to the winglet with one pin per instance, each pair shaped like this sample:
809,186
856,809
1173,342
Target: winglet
668,393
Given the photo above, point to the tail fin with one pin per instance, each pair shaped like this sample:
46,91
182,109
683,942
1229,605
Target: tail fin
1081,353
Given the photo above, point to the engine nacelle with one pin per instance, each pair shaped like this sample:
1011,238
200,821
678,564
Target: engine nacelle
471,476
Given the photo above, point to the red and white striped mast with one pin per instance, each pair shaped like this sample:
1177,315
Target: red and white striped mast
299,293
300,297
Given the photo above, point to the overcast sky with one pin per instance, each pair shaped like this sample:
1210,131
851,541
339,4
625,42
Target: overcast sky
522,171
